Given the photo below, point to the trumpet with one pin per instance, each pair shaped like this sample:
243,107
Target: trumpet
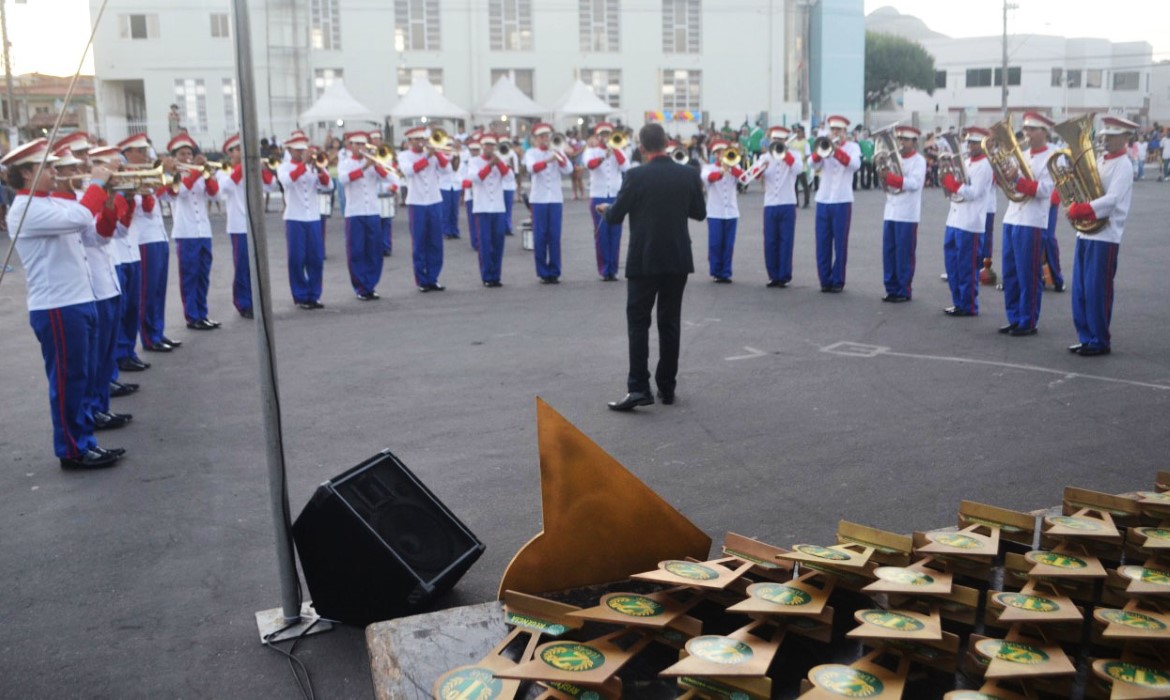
825,147
617,141
503,148
558,142
321,160
952,164
209,169
272,163
730,158
1006,159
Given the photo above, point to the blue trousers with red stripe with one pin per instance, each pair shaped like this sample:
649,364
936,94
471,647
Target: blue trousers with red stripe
987,238
472,231
156,259
833,242
1094,266
607,239
450,213
363,252
306,256
194,276
546,238
387,234
779,240
963,259
1022,282
68,338
103,367
1052,249
720,245
242,282
491,244
899,246
130,280
426,237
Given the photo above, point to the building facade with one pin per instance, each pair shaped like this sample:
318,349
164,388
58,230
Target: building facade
727,62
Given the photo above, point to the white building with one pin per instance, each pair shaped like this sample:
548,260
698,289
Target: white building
729,62
1160,94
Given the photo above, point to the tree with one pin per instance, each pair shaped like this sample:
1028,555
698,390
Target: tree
892,62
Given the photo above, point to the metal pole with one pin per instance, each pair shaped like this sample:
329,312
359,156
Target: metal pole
1004,70
11,94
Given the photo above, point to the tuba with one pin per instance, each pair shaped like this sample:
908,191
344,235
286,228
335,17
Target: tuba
1074,169
886,158
952,164
1006,159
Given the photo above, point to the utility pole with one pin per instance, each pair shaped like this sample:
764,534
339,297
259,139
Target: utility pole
1004,69
11,93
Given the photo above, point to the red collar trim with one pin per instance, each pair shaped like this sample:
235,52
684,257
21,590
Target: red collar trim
1038,151
978,158
911,154
30,194
64,195
1115,154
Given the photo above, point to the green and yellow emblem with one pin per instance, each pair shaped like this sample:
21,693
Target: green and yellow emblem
779,594
470,684
848,682
954,539
891,620
1131,619
1015,652
1155,533
719,650
1145,575
689,569
1056,559
1031,603
898,574
815,550
1075,523
572,657
1135,674
574,690
634,605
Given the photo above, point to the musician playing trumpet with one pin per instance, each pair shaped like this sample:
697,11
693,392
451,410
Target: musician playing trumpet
546,167
487,180
836,160
1095,258
720,177
301,180
192,230
420,165
361,174
606,165
965,226
903,212
779,168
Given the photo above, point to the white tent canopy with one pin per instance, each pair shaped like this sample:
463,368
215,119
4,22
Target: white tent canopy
423,100
337,103
506,99
579,101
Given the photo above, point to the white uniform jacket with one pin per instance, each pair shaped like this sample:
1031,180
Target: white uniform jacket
487,182
422,176
970,214
546,171
906,206
1034,210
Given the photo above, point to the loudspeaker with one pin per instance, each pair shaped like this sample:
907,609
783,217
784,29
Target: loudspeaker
375,543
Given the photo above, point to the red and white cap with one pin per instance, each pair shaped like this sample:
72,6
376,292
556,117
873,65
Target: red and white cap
1038,120
359,137
77,141
232,142
837,122
718,145
65,158
416,132
906,132
104,154
672,144
375,134
31,152
541,128
488,140
297,140
976,133
1116,126
298,132
778,132
603,127
134,141
180,141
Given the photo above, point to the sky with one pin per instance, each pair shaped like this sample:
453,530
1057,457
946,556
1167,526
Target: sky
57,51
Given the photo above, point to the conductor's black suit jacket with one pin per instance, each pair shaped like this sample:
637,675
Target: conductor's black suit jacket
659,197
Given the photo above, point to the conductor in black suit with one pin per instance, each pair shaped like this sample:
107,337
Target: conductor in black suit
659,197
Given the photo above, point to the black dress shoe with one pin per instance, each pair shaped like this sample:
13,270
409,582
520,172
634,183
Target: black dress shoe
116,451
159,347
722,280
1076,348
1093,350
956,311
631,400
212,324
1058,287
369,296
888,297
773,284
90,459
247,313
826,290
199,326
129,364
1007,329
110,421
892,298
609,278
172,343
122,389
666,397
554,280
1018,332
437,288
307,306
839,288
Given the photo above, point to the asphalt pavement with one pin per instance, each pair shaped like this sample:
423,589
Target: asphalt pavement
795,409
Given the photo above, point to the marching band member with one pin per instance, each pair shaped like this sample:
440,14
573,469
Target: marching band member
471,149
421,165
835,204
487,181
192,231
232,189
60,294
966,224
128,255
546,168
387,193
1095,259
302,179
449,188
606,165
720,180
900,221
1051,246
361,176
512,160
1023,230
779,166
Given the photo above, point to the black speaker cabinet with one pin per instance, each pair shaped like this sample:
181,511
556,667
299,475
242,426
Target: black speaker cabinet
375,543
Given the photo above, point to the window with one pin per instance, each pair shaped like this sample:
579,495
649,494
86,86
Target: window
1126,80
219,25
323,78
600,25
940,78
229,103
325,29
139,26
1093,78
680,26
191,96
1074,78
606,84
416,25
406,76
1013,76
681,90
521,77
978,77
1057,77
511,25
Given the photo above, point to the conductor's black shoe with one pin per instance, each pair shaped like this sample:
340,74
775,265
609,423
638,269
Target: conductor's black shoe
666,397
1007,329
122,389
172,343
632,399
90,459
1018,332
1093,350
1076,348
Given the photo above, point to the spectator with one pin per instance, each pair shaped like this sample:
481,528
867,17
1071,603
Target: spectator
174,121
